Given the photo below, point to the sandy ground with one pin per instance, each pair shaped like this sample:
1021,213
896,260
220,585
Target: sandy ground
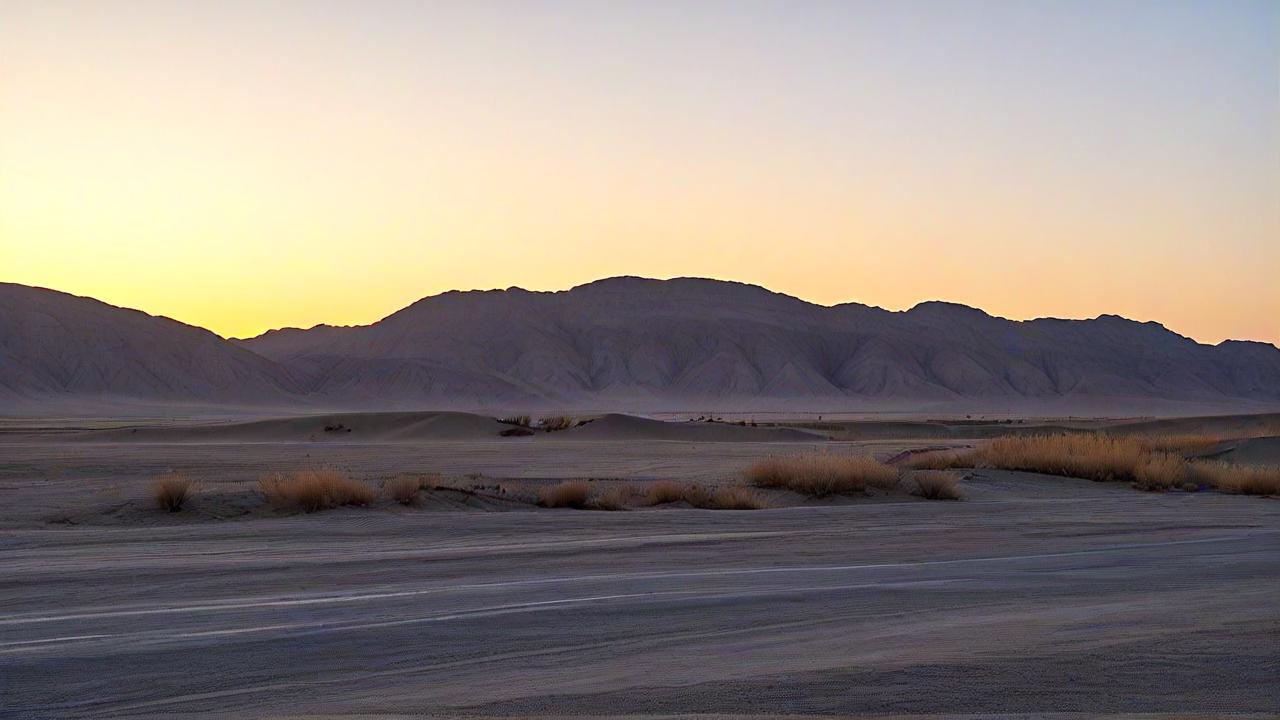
1035,595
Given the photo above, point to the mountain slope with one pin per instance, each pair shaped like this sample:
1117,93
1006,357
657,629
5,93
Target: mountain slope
625,342
692,340
59,346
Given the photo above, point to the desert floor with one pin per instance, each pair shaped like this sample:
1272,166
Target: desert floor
1033,595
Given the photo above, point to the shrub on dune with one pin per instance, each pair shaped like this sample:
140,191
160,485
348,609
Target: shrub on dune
1082,455
171,492
403,490
936,485
617,497
664,491
558,422
570,493
730,497
312,490
1160,471
1241,479
821,474
1185,443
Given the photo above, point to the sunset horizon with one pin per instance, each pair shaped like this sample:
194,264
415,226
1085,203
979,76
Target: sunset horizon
333,164
639,359
383,315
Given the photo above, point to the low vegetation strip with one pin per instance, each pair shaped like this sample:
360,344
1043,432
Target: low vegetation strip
570,494
1150,463
935,485
1242,479
822,474
312,490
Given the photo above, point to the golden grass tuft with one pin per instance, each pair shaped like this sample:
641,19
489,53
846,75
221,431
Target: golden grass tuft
403,490
1239,479
171,492
727,497
312,490
1184,443
1082,455
936,485
821,474
570,493
1160,471
663,492
558,422
616,497
731,497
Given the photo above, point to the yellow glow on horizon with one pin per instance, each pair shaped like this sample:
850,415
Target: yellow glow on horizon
217,177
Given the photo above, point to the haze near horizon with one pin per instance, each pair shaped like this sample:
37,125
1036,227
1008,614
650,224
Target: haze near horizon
243,167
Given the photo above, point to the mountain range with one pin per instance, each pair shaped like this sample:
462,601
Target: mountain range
624,343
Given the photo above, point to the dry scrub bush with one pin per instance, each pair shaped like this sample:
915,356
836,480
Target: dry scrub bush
1242,479
1150,462
570,493
820,475
312,490
1094,457
558,422
664,491
1160,471
517,420
936,485
172,491
730,497
1186,443
617,497
403,490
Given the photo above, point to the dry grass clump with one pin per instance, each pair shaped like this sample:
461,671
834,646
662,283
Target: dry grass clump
936,485
728,497
517,420
1241,479
1184,443
1082,455
171,492
312,490
558,422
570,493
821,474
1160,471
664,491
731,497
616,497
403,490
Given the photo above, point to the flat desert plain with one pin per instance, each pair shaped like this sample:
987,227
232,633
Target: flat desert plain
1032,596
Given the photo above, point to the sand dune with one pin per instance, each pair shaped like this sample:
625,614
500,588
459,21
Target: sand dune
427,426
1253,451
614,426
335,427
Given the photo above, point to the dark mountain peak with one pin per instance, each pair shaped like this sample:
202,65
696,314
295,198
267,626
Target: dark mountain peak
942,308
1248,346
60,345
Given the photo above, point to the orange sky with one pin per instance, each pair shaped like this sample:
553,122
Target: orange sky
271,164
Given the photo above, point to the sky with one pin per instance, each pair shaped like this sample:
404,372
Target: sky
250,165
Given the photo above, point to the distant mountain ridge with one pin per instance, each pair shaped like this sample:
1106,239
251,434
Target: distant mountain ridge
633,342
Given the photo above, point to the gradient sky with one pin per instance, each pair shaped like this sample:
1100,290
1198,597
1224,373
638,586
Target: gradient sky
249,165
